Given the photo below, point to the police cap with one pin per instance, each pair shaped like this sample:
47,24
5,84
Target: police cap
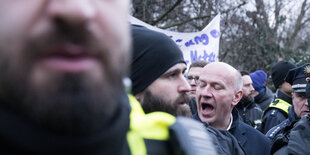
297,77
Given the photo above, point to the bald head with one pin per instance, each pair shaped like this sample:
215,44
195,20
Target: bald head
219,90
229,73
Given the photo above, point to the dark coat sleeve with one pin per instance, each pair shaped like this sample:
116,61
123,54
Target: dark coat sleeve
253,141
271,118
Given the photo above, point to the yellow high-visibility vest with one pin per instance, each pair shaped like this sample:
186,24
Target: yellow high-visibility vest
154,126
280,104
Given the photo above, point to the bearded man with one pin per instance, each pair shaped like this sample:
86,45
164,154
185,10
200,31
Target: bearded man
157,75
249,111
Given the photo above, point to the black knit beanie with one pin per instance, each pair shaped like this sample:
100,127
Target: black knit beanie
279,71
153,54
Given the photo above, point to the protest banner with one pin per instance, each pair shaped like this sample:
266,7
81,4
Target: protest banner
203,45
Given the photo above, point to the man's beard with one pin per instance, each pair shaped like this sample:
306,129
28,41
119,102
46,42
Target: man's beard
75,103
246,100
153,103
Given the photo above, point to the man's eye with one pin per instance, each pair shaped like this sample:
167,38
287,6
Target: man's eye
196,78
217,87
201,84
302,95
173,75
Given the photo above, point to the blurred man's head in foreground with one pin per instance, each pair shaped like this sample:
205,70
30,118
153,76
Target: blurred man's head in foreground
62,61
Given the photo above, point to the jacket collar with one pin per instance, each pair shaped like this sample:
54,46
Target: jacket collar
236,130
284,97
291,114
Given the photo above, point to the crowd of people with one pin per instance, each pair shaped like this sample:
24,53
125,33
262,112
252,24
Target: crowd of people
64,89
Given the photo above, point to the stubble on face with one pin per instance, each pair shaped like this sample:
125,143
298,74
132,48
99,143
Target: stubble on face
248,98
152,103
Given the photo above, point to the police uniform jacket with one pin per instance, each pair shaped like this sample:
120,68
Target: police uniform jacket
274,115
299,139
295,138
254,142
276,130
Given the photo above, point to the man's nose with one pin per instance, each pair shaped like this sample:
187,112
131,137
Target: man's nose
184,85
252,88
206,91
192,82
71,11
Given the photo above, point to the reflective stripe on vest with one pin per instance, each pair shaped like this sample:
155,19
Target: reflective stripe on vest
153,126
280,104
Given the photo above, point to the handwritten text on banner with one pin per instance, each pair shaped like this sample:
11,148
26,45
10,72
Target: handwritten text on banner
203,45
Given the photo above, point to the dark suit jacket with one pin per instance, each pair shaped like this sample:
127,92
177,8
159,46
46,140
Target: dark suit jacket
253,141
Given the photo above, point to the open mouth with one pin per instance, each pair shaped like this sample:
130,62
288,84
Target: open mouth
207,108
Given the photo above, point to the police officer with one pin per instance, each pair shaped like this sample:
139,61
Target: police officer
297,78
278,109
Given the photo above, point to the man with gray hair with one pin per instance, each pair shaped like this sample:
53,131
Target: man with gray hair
218,92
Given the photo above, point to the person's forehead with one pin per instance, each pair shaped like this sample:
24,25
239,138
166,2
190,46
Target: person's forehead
178,66
246,79
218,74
195,71
299,93
217,70
213,76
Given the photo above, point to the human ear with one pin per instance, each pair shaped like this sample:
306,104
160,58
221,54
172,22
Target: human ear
140,97
237,97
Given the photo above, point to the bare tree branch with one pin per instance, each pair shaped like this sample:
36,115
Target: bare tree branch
166,13
201,17
278,6
298,24
186,21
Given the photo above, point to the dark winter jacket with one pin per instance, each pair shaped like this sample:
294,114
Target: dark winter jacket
274,116
20,136
264,99
250,139
279,129
193,105
223,140
250,113
298,139
253,141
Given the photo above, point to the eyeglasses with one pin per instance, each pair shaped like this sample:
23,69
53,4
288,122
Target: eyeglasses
195,78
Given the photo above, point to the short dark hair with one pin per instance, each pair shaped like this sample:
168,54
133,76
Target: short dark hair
243,72
199,63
